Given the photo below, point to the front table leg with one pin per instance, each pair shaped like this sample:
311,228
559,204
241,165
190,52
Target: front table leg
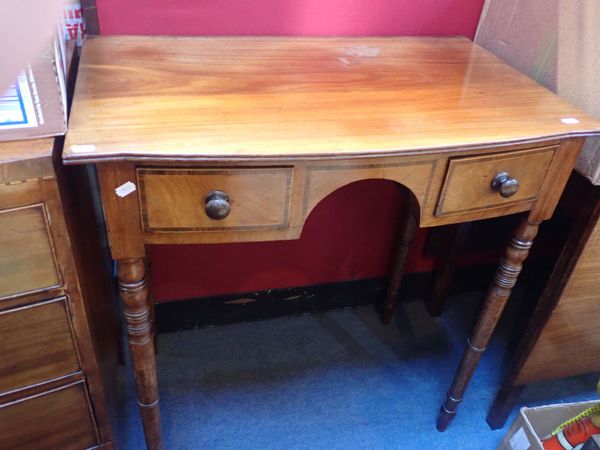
498,293
138,318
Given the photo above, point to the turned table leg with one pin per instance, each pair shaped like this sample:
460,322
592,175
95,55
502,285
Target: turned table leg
498,293
406,238
140,334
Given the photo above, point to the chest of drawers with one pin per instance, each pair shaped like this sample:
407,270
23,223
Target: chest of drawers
58,335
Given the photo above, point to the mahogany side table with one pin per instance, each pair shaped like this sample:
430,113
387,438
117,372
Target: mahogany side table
231,139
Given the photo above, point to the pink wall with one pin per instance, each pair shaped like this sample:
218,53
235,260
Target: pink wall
290,17
347,236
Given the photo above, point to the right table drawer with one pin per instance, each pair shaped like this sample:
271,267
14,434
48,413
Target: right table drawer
476,183
36,345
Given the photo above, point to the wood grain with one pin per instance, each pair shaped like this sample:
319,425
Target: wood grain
323,179
570,342
20,162
173,199
122,213
245,97
332,111
48,343
137,314
564,348
27,261
57,419
498,293
83,216
468,181
36,345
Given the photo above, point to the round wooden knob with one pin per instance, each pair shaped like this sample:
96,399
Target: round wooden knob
216,205
505,185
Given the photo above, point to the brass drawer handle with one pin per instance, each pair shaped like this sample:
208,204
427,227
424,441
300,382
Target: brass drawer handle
216,205
505,185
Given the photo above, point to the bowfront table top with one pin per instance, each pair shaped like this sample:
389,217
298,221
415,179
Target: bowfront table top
238,139
240,97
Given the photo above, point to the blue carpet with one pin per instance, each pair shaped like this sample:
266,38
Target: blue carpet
337,380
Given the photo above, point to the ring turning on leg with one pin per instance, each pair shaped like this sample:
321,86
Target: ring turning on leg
505,278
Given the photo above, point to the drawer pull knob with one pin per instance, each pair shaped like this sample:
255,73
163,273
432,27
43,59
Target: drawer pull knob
216,205
505,185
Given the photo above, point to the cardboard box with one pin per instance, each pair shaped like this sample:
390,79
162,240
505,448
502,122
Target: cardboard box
73,24
534,424
557,43
36,104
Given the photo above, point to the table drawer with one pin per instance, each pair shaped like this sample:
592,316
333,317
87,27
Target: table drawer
468,184
179,200
57,419
36,344
27,259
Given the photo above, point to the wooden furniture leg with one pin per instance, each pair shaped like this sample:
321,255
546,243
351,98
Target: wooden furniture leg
505,401
588,214
138,319
498,293
446,268
406,238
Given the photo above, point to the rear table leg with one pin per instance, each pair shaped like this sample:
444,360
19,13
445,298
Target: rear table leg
406,238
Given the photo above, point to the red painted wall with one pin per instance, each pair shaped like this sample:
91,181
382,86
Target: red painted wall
290,17
347,236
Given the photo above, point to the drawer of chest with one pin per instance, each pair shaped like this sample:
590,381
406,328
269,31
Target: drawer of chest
57,419
36,344
476,183
27,259
235,199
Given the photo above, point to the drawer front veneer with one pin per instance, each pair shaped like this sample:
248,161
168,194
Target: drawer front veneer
27,259
174,200
36,345
57,419
468,183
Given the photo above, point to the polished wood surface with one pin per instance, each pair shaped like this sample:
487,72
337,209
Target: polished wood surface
83,217
27,261
19,161
311,182
561,337
504,280
58,419
36,345
23,151
52,312
140,331
177,119
572,333
468,181
174,200
570,342
250,97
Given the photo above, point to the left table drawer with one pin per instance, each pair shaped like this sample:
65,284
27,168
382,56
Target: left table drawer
36,345
176,199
